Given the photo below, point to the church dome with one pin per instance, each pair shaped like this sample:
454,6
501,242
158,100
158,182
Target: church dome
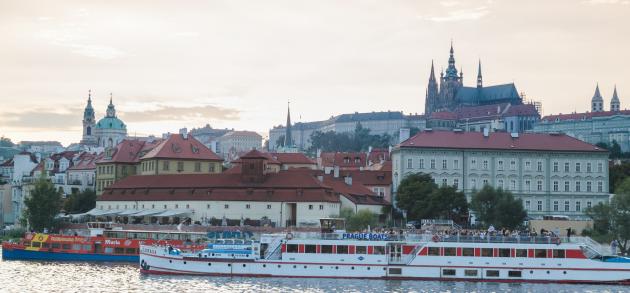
111,123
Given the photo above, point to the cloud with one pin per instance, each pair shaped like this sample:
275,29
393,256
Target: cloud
450,3
42,119
460,15
173,113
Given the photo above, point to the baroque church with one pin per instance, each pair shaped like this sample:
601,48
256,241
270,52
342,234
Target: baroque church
451,92
107,132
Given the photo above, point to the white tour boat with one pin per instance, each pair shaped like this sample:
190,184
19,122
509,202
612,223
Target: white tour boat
385,256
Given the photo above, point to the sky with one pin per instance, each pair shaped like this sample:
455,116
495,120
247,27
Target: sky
236,64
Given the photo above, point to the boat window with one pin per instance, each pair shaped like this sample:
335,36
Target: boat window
449,251
395,271
65,246
292,248
448,272
514,274
379,249
540,253
434,251
558,253
36,244
486,252
119,250
56,245
76,246
504,252
470,273
360,250
521,253
87,247
45,245
326,249
309,248
108,250
492,273
468,251
342,249
130,251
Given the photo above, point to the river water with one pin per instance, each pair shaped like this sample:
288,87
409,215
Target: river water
28,276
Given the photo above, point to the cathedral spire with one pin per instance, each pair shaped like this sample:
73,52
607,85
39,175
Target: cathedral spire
479,78
111,110
615,104
288,139
451,70
597,102
432,76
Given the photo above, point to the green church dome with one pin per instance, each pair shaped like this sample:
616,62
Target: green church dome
111,123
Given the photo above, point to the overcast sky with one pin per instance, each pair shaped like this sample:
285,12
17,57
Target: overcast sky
235,64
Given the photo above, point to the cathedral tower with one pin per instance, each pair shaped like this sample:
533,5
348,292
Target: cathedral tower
432,92
597,102
89,121
615,105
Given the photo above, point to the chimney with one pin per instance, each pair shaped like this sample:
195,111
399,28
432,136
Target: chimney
403,134
183,132
336,172
348,179
486,132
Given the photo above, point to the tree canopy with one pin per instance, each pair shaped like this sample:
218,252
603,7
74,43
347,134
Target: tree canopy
421,198
42,205
615,150
80,202
610,220
6,142
360,220
497,207
357,141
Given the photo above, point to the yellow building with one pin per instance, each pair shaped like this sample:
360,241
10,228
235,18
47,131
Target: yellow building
180,154
121,161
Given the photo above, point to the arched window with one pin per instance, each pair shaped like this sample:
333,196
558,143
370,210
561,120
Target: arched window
89,130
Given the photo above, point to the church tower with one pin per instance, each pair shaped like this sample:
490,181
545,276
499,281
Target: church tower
89,122
111,111
597,102
451,82
615,105
479,78
432,92
288,139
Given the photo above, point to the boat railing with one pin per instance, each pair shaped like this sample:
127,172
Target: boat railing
592,244
273,251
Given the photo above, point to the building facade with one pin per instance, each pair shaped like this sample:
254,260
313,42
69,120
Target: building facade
107,132
552,174
592,127
233,143
121,161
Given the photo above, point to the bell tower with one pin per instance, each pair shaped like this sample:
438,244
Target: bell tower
89,122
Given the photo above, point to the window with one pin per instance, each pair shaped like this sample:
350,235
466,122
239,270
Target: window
485,182
326,249
540,205
379,249
588,204
588,167
473,164
248,206
456,164
540,253
578,206
513,184
577,186
539,185
515,274
468,251
449,251
528,185
521,253
500,165
434,251
444,164
599,167
444,182
342,249
473,183
448,272
292,248
470,273
211,168
197,166
421,164
410,163
555,186
268,206
456,183
504,252
492,273
558,253
207,206
180,166
555,205
577,167
539,166
566,186
555,166
528,165
309,248
589,186
321,207
527,205
566,205
566,167
360,249
310,206
485,164
600,186
227,206
513,165
432,164
487,252
165,165
500,183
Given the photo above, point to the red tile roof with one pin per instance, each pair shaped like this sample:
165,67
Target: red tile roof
176,147
357,192
587,115
283,186
369,177
291,158
377,155
498,141
444,115
7,163
344,160
87,162
129,151
522,110
387,167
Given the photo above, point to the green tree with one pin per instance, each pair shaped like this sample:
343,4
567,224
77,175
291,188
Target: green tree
498,207
80,202
360,220
6,142
448,203
610,220
42,205
413,195
617,174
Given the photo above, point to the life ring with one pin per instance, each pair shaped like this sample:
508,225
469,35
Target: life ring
289,236
435,238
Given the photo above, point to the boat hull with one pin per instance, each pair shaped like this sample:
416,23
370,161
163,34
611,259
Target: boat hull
22,254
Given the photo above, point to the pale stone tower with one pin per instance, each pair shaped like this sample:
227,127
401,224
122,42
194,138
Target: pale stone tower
597,102
89,122
615,105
